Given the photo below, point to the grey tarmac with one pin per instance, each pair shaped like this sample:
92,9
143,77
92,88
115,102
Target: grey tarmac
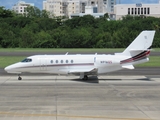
52,97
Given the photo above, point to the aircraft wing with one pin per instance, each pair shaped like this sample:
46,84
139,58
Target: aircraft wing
88,70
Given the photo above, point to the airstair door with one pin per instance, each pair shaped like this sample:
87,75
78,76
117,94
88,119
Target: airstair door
43,64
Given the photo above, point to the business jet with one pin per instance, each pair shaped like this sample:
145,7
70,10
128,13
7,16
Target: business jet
87,64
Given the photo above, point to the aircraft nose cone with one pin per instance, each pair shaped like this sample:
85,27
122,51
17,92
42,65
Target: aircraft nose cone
7,69
12,69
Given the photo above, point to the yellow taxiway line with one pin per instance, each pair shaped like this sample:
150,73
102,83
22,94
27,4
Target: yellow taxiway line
69,116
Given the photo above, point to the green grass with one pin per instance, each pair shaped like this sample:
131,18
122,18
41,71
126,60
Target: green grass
7,60
154,61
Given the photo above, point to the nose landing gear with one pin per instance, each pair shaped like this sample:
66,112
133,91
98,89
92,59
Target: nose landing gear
19,77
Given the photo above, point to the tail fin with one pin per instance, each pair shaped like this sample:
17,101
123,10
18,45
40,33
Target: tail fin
137,52
143,42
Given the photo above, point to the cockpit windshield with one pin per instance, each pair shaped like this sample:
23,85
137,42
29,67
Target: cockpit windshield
27,60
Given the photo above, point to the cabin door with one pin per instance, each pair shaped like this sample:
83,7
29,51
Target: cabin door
43,64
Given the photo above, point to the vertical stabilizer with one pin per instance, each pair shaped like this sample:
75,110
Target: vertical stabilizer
142,43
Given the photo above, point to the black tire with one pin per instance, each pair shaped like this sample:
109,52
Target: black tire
85,77
19,78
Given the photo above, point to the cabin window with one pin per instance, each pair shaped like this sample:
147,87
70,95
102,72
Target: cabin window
51,61
56,61
71,61
27,60
66,61
61,61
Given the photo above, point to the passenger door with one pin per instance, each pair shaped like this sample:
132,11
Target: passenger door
43,64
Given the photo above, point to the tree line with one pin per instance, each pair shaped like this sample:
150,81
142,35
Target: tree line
40,29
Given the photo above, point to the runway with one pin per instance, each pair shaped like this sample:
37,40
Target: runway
51,97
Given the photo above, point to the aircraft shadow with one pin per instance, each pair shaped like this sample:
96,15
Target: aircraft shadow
110,79
92,79
139,79
144,79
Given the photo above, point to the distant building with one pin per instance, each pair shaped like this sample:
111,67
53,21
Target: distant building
109,5
89,10
20,7
64,7
121,10
56,7
74,7
103,6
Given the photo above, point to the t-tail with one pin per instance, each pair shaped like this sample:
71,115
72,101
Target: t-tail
138,51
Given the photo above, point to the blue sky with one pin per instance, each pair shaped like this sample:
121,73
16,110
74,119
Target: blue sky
137,1
38,3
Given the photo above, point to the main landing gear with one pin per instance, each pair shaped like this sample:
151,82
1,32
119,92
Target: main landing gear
19,77
85,77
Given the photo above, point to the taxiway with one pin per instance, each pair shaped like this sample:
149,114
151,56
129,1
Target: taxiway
68,98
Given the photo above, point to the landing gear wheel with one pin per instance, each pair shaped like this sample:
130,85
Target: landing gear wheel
85,77
19,78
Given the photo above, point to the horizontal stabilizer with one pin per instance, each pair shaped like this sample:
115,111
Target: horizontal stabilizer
128,66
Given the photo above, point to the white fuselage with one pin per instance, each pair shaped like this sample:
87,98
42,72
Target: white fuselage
68,64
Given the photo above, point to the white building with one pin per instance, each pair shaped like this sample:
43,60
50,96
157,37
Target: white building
110,6
89,10
69,7
74,6
64,7
57,7
121,10
20,7
103,6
